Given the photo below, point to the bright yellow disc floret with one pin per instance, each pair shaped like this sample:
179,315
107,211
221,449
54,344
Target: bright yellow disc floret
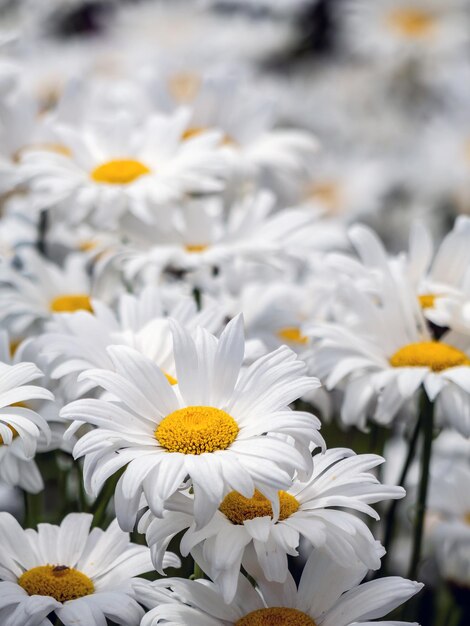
411,22
292,334
239,509
57,581
276,616
196,430
119,172
433,354
70,303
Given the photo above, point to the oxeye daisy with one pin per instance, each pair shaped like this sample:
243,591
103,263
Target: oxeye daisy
395,30
22,429
42,289
204,235
328,594
243,531
212,428
78,342
384,350
137,170
80,575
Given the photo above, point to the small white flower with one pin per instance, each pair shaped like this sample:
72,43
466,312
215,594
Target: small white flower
213,426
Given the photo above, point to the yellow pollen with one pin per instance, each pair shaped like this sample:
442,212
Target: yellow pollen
170,379
196,430
184,86
119,172
13,430
70,303
239,509
14,345
427,300
191,132
412,23
87,245
276,616
328,193
292,334
196,247
433,354
57,581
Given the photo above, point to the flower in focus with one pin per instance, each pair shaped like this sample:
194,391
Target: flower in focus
81,576
244,533
214,426
328,594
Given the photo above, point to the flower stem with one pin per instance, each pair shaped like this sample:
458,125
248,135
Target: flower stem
197,573
427,425
32,509
391,515
101,503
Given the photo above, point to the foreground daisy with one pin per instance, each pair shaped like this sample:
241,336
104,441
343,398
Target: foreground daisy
227,429
328,595
81,576
243,531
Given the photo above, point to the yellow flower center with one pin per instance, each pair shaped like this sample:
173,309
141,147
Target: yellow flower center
191,132
412,23
276,616
57,581
196,247
292,334
327,193
433,354
427,300
196,429
466,518
184,86
239,509
70,303
13,430
119,172
14,345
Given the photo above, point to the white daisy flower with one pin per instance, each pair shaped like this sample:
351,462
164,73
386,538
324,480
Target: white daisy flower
384,352
75,343
81,576
118,166
213,426
404,29
203,235
42,289
243,531
22,428
328,594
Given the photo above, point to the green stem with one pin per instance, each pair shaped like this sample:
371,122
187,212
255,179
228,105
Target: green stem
391,515
198,573
101,503
427,419
32,509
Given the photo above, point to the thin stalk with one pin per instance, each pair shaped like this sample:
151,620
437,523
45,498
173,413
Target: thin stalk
197,573
101,503
32,509
427,419
42,231
392,511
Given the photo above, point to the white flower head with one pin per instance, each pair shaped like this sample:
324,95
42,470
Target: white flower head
243,531
328,594
214,426
83,576
117,166
383,351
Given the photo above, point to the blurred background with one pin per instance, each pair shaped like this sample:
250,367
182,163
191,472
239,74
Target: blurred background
383,84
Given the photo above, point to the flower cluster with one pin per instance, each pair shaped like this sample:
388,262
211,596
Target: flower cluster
235,313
